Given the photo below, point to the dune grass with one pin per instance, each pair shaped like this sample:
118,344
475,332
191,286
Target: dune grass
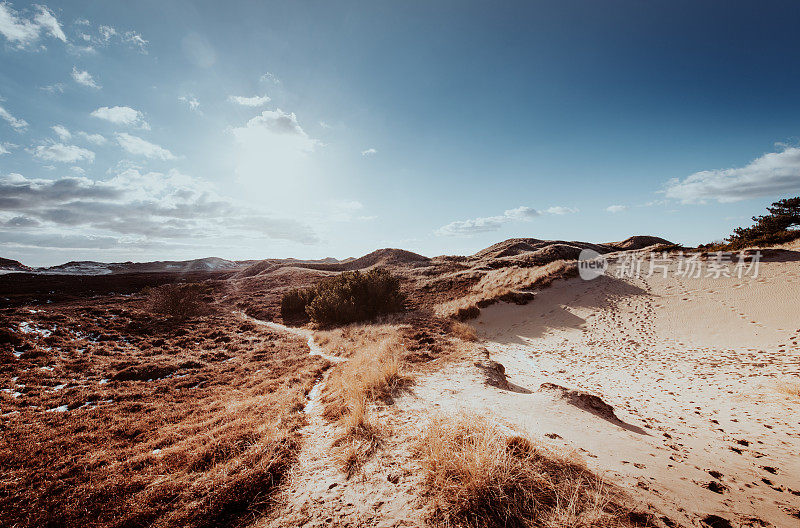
790,389
505,284
482,474
373,374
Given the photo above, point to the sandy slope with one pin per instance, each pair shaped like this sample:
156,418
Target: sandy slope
692,368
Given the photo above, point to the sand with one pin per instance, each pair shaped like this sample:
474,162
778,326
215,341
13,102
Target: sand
692,368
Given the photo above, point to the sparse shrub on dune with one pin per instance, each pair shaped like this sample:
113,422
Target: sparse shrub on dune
481,474
179,301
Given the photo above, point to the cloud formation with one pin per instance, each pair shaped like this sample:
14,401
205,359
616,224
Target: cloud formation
772,174
62,132
22,31
84,78
190,101
121,115
256,100
369,152
17,124
614,209
62,153
94,139
141,147
131,208
493,223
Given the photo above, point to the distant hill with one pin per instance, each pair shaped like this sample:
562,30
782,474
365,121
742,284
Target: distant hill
388,257
12,265
639,242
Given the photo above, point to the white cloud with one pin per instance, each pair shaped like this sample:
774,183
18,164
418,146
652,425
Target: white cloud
62,153
130,208
191,101
121,115
494,223
616,208
140,147
256,100
106,32
48,21
369,152
84,78
61,132
105,36
772,174
56,88
270,78
17,124
4,149
274,152
135,40
95,139
559,210
22,31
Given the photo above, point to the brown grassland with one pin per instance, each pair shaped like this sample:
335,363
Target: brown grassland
123,418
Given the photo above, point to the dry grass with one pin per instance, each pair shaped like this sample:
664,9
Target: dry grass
507,284
481,474
190,425
373,374
463,331
790,389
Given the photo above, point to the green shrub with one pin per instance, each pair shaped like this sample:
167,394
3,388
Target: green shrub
295,301
771,229
346,298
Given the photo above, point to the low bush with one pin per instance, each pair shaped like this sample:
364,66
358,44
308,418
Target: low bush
179,301
346,298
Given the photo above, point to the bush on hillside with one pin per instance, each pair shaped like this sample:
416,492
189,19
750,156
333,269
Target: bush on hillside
346,298
179,301
771,229
295,301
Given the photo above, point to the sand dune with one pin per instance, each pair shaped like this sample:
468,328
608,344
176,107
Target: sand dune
692,368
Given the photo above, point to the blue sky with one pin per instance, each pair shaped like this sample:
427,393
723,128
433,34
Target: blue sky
170,130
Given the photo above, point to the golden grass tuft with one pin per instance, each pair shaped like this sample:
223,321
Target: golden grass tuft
463,331
373,374
790,389
505,284
481,474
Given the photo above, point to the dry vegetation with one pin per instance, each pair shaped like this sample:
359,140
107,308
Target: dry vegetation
372,375
482,474
512,284
790,389
116,418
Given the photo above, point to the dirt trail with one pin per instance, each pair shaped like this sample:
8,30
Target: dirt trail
383,493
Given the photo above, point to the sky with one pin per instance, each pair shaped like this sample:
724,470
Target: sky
174,130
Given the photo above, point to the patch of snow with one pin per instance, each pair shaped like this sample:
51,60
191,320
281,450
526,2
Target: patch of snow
61,409
46,368
28,328
156,451
103,381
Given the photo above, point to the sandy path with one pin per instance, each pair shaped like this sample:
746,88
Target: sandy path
383,493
